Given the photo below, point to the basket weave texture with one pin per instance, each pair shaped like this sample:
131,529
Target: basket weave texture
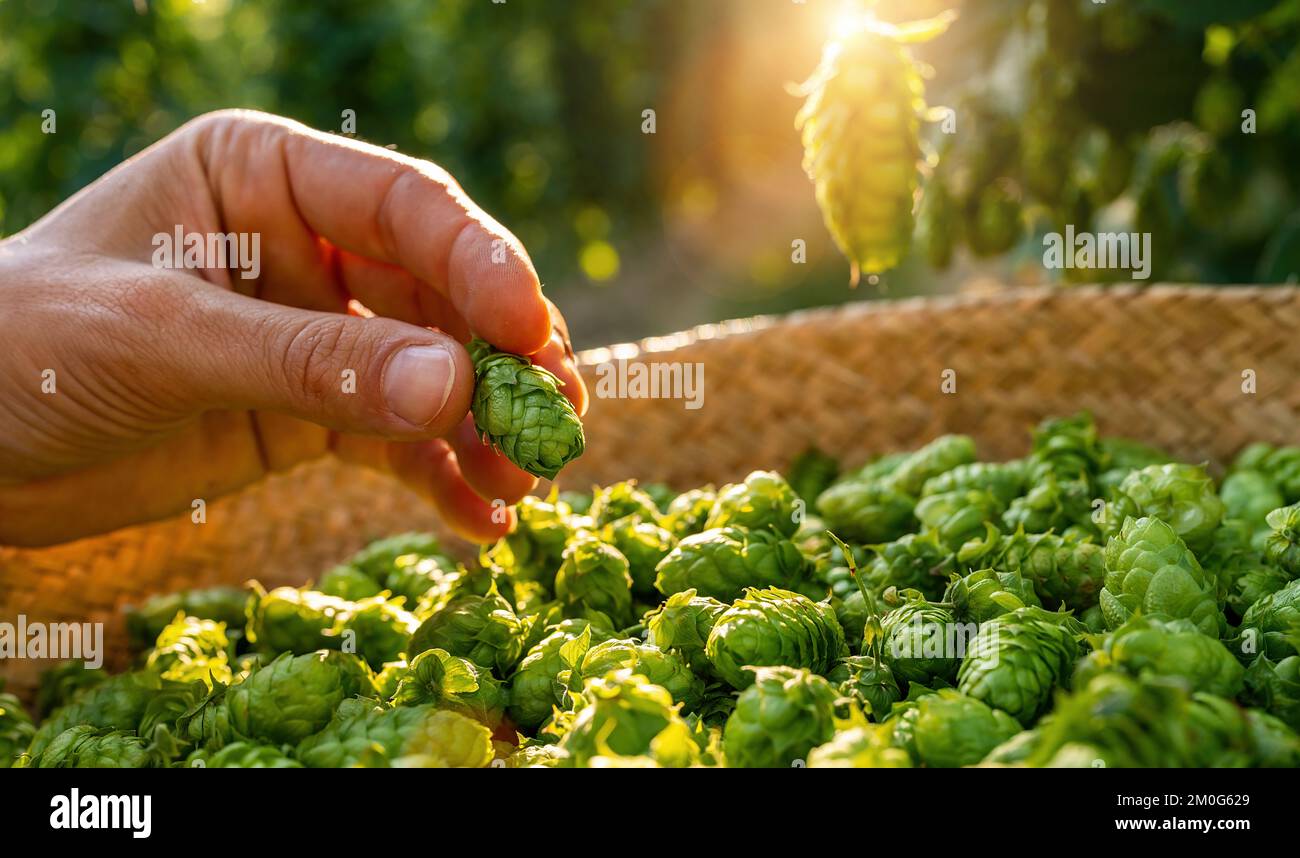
1161,364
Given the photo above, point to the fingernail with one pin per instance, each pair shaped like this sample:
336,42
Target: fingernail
418,381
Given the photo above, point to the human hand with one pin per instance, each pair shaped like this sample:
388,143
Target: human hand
171,385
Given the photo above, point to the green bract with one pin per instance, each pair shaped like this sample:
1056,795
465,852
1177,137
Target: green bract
687,512
860,748
405,737
1051,503
763,500
988,593
1150,571
658,666
483,629
1064,571
594,576
938,457
782,716
294,696
439,678
190,650
1272,625
621,500
644,544
535,688
947,729
774,627
721,563
1182,496
1283,544
954,517
519,409
867,510
287,619
1017,659
1005,481
1154,646
916,562
682,625
85,747
622,714
868,682
242,755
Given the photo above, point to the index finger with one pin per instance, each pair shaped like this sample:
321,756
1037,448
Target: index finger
407,212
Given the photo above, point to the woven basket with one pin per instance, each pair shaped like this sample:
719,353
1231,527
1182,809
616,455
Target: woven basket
1162,364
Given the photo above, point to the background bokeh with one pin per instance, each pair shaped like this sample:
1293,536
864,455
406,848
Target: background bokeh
1116,114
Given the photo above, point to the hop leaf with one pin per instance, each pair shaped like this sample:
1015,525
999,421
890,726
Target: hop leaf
519,409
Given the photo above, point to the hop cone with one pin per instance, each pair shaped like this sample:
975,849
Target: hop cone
957,516
1283,545
763,500
85,747
658,666
625,715
722,563
682,625
1066,448
519,409
1004,480
295,695
220,604
191,650
988,593
644,544
595,576
948,729
1273,623
915,561
1015,661
868,682
1152,646
482,629
621,500
859,748
457,684
535,688
1150,570
774,627
1181,495
118,702
782,716
16,729
867,510
1250,496
940,456
407,736
242,755
918,642
687,512
860,126
1063,571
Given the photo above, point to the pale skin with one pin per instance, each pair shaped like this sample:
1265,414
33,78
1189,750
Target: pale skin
176,385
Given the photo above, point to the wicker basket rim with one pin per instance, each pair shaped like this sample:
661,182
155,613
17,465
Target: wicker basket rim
747,325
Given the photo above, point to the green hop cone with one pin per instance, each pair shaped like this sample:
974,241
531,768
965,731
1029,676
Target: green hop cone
687,512
220,604
1051,504
295,695
621,500
1275,687
644,544
682,625
118,703
935,459
1150,570
659,667
867,510
1250,496
405,737
763,500
441,679
288,619
1281,464
774,627
921,641
348,582
519,409
866,747
868,682
957,516
1066,448
377,629
860,126
1017,659
190,650
16,730
915,562
483,629
947,729
1283,545
85,747
988,593
242,755
1064,571
1271,626
535,688
1153,646
1181,495
63,682
595,576
1128,455
721,563
778,719
533,549
624,715
1005,481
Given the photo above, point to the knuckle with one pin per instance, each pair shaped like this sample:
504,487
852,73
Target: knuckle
314,354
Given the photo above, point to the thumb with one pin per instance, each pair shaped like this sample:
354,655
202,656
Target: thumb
369,376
